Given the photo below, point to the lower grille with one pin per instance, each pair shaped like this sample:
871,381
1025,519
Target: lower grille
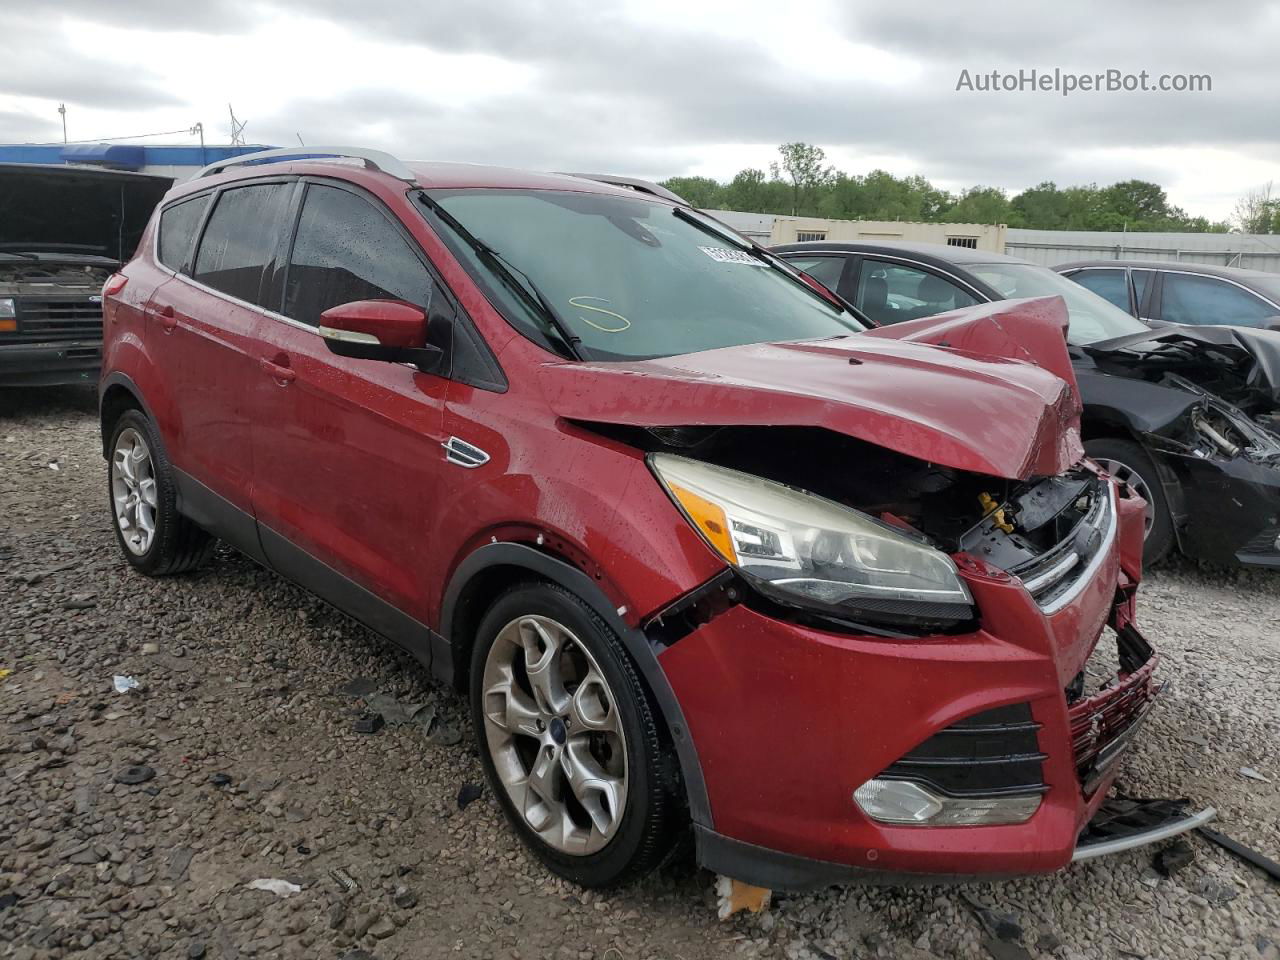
1102,724
48,319
990,754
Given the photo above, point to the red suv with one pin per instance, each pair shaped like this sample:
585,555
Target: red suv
699,548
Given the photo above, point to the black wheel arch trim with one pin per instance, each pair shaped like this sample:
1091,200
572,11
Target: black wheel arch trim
118,379
637,644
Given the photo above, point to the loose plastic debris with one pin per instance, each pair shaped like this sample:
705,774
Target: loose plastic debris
123,684
1253,774
468,794
734,896
1244,853
4,672
281,888
367,723
1173,858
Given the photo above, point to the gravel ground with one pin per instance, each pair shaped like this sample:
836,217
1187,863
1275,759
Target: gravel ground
257,774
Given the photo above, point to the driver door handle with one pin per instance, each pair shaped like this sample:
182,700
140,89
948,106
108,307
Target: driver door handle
168,319
278,372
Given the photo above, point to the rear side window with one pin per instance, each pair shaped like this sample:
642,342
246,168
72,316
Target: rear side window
346,250
1110,285
241,238
1201,300
178,226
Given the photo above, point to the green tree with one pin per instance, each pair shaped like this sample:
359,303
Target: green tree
806,167
979,205
699,191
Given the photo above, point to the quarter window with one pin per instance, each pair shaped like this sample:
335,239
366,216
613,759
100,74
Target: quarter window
826,270
178,229
240,239
1206,300
1110,285
890,293
346,250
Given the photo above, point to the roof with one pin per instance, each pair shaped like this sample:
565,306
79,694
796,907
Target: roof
445,176
80,172
940,253
1239,274
122,156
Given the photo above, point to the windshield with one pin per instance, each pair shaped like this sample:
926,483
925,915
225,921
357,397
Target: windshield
627,279
1092,318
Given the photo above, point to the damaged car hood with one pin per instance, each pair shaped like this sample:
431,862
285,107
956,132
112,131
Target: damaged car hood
75,210
978,405
1240,365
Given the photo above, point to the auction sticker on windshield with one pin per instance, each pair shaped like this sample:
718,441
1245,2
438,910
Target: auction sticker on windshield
722,255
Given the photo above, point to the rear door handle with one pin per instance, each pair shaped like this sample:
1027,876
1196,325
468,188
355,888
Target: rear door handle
278,372
168,319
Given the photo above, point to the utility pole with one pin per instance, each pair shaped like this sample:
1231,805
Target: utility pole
62,109
237,129
199,128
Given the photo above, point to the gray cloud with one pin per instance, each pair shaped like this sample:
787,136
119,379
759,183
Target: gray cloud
649,97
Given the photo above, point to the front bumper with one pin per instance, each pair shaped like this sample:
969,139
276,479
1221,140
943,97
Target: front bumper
51,363
788,721
1230,510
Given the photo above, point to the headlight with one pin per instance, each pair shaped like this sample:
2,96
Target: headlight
7,311
805,550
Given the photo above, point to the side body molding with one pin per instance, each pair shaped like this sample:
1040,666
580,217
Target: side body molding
550,568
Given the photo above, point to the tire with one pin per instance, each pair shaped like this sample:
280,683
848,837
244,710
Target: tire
1129,463
139,472
608,842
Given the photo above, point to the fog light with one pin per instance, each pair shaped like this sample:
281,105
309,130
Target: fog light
908,802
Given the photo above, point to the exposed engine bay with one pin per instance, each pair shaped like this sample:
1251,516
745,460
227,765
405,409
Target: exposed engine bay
30,277
1043,530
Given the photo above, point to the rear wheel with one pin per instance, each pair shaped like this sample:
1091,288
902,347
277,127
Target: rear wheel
153,536
1129,463
569,739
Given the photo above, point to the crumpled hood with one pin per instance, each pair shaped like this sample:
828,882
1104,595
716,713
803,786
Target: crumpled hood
1239,364
978,405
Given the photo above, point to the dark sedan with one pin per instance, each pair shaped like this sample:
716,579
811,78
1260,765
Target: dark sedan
1195,294
1189,417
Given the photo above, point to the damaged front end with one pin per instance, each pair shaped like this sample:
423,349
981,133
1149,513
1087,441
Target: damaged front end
883,559
1210,418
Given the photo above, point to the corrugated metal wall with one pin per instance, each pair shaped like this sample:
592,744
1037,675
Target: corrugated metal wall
1050,247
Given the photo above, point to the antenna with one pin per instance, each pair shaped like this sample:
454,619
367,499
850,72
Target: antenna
62,109
237,129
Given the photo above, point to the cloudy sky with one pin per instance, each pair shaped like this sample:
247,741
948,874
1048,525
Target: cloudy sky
661,87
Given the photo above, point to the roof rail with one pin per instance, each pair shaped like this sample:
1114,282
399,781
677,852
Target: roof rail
374,159
640,186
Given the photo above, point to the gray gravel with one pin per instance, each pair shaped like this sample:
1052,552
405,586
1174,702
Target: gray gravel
255,773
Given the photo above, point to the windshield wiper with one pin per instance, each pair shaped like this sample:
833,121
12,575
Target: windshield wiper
513,276
763,254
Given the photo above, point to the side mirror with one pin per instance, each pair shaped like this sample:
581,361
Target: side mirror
390,330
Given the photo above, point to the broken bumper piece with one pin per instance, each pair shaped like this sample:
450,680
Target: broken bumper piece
1124,824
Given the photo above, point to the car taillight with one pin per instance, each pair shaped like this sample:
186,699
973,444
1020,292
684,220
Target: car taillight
115,283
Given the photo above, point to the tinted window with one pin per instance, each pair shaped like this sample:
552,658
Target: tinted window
1201,300
1141,280
241,238
178,229
890,293
346,250
1110,285
826,270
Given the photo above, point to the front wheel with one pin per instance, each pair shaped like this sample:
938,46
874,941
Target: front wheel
1129,463
569,740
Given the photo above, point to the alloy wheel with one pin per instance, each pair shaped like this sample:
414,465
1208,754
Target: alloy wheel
554,734
133,491
1123,473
